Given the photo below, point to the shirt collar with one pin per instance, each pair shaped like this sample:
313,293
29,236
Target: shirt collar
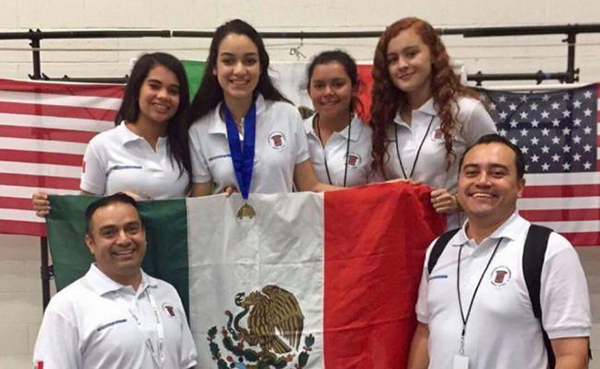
428,109
309,126
356,123
102,284
217,124
510,229
125,135
357,127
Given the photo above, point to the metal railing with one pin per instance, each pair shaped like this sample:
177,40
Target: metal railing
570,75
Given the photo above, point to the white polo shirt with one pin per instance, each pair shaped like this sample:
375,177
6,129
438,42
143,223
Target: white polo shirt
91,324
119,160
430,168
502,331
336,150
280,145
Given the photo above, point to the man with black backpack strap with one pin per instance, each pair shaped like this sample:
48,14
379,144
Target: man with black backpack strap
500,285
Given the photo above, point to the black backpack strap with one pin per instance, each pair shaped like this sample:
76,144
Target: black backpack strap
439,247
534,253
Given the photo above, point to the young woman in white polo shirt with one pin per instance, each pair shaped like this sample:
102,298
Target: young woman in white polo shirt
146,154
239,117
423,118
339,141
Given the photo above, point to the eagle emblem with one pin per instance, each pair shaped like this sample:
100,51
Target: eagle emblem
272,333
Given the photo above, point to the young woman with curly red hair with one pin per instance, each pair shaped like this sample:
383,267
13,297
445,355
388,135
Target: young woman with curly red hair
423,118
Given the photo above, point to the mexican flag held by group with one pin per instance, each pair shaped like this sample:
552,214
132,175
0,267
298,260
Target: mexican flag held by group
312,281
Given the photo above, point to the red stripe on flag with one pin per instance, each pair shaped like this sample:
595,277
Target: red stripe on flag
23,228
41,157
46,134
561,191
115,91
27,180
364,92
91,108
15,203
372,271
58,111
583,238
560,215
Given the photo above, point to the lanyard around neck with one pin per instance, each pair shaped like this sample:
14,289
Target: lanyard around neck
158,353
242,157
325,154
464,318
412,171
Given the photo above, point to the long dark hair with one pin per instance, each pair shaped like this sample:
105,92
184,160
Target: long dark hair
210,93
387,99
176,129
349,64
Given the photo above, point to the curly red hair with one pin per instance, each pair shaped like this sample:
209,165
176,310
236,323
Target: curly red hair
387,99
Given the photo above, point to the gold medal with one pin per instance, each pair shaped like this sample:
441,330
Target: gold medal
245,211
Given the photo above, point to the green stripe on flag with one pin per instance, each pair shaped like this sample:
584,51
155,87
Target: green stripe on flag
166,257
66,237
194,71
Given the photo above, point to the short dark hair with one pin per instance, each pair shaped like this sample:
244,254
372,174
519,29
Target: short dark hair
496,138
346,61
119,198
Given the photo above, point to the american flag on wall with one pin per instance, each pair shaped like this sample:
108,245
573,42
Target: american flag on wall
558,133
44,130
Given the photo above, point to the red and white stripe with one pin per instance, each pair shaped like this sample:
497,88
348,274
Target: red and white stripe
569,203
44,130
45,127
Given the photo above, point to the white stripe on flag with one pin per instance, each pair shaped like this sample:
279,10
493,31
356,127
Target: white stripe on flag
40,121
562,179
20,215
110,103
65,171
557,203
26,192
27,144
284,248
290,78
572,226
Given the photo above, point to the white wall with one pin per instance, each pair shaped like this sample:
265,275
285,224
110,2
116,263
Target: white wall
491,55
20,292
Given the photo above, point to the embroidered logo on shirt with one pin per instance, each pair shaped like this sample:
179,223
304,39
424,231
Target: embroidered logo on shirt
277,140
121,167
437,135
39,365
219,157
169,309
439,276
103,327
500,276
353,160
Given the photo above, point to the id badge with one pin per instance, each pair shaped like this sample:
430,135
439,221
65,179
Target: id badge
460,362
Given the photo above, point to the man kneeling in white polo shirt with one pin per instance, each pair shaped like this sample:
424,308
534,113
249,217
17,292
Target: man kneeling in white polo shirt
116,316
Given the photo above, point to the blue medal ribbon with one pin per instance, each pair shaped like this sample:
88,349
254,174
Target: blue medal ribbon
242,157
